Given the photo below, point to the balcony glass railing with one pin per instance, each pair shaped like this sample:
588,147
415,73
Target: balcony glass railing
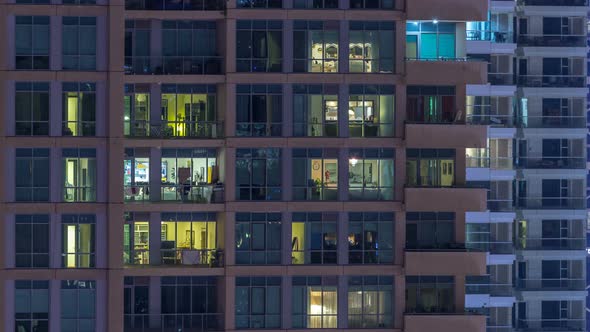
137,192
185,322
173,65
552,40
500,205
492,246
552,81
174,4
495,120
551,121
491,289
561,324
489,162
200,129
551,162
551,203
551,244
504,36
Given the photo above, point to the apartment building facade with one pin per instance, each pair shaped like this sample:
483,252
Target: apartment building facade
536,101
296,164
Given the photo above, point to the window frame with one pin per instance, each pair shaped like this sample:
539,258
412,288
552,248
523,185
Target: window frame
76,220
33,157
79,91
268,94
248,317
363,156
245,222
38,93
84,26
384,221
40,222
247,159
323,253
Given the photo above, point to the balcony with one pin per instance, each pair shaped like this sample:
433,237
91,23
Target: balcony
551,203
138,192
501,78
444,322
551,121
445,71
192,193
552,81
580,3
431,135
500,205
551,244
551,162
175,257
201,129
173,65
491,36
493,247
462,10
499,290
540,325
445,263
551,284
185,322
175,5
552,40
445,199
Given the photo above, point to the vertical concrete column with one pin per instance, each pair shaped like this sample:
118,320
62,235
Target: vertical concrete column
343,238
101,43
460,167
8,167
7,229
287,110
156,44
399,174
400,115
399,234
115,301
7,100
399,305
230,302
155,104
6,29
343,110
343,174
102,175
101,305
287,4
101,108
460,227
55,23
114,158
460,100
342,302
55,305
229,234
287,171
230,45
344,4
286,233
288,46
55,108
155,229
55,258
343,50
459,293
114,227
101,240
56,178
229,110
286,299
155,175
230,175
155,303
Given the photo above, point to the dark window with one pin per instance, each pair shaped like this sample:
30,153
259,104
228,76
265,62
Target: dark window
31,305
370,238
431,104
258,174
32,175
31,244
259,3
430,294
258,238
78,305
259,110
259,46
31,109
32,42
430,230
258,302
79,43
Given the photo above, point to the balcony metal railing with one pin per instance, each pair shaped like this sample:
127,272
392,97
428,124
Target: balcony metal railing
551,162
173,65
501,78
553,2
192,257
492,246
495,120
551,121
551,203
551,284
193,193
137,192
491,289
174,4
561,324
488,35
200,129
500,205
552,40
551,244
552,81
185,322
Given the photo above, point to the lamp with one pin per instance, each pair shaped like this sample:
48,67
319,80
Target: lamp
353,161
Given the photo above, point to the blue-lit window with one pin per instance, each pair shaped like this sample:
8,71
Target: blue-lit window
430,40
